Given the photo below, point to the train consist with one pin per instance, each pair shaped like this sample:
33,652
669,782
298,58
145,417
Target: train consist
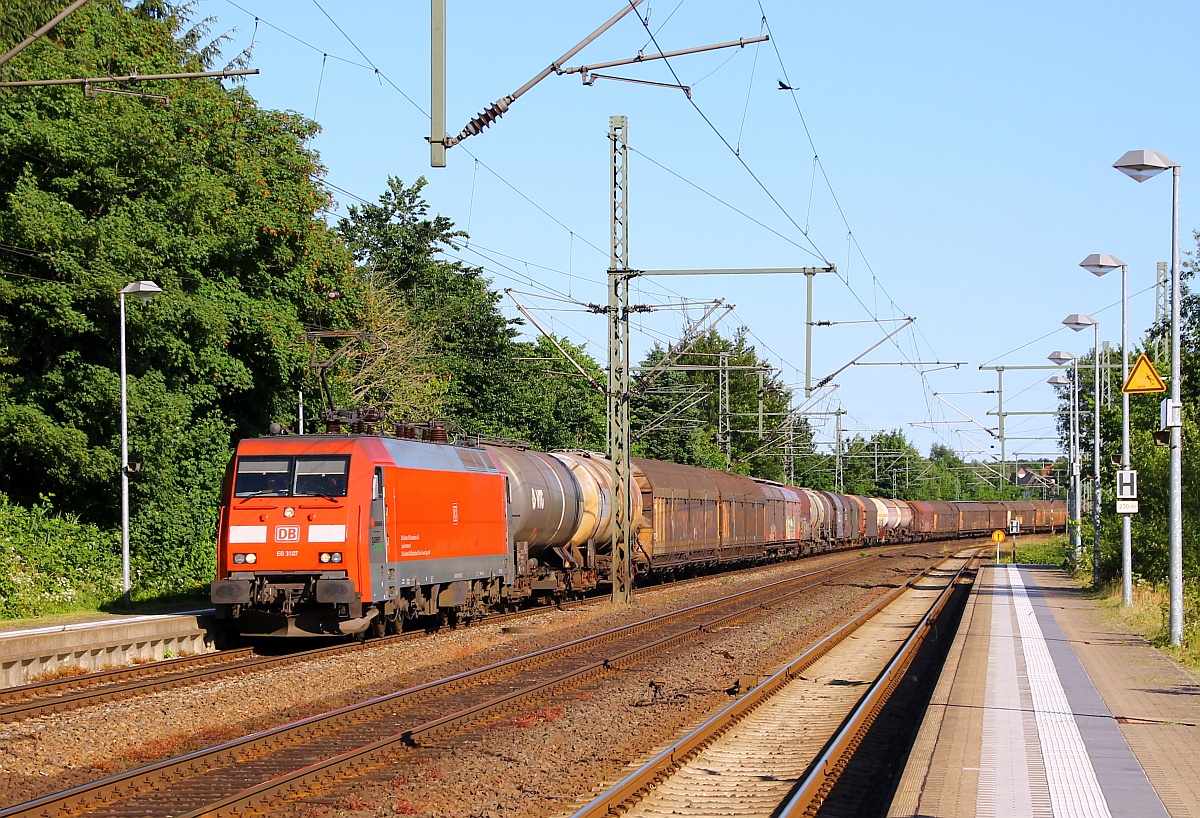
358,533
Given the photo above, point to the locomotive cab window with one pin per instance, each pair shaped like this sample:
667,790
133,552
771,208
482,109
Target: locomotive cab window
321,476
263,476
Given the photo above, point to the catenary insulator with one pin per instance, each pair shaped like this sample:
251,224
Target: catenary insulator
485,118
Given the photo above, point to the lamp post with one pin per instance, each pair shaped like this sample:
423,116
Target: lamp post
1061,357
143,291
1140,166
1078,322
1099,264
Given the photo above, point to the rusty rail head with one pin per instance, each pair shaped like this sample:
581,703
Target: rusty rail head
816,782
718,724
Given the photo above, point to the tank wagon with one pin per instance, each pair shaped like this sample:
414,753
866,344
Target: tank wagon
359,533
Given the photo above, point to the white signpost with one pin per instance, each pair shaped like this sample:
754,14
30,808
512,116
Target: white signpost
1127,502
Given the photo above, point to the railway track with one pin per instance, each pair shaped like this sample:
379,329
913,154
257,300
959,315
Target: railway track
779,750
62,695
263,768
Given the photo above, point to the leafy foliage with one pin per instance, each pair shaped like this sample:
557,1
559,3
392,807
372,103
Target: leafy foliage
397,242
1149,525
492,385
672,425
215,200
51,563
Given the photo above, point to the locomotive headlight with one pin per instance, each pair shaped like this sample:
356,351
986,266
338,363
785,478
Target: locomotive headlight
324,556
289,512
337,556
239,558
251,559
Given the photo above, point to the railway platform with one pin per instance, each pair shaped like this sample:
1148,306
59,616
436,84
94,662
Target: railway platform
101,641
1042,709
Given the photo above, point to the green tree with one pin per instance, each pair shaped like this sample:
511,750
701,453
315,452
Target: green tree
556,407
216,200
739,388
398,242
667,418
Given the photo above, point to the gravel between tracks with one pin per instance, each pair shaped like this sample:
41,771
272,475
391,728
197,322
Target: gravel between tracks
526,764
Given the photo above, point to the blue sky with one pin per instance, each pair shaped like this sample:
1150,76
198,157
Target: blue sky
964,170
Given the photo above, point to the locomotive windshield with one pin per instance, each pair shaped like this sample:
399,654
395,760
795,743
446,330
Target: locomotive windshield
326,475
302,476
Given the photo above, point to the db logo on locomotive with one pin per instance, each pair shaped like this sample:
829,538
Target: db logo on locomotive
287,533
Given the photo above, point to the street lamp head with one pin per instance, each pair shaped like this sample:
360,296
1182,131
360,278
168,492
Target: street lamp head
1060,356
1142,165
1101,263
1077,322
1059,380
141,290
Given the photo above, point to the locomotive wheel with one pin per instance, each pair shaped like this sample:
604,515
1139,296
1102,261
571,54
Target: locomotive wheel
377,628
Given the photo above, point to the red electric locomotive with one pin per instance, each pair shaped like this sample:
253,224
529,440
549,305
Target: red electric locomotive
340,534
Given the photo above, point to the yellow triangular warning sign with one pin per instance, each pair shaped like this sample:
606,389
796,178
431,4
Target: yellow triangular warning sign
1143,378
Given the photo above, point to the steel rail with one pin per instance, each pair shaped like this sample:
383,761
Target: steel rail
61,695
812,788
65,688
164,773
670,759
351,761
72,684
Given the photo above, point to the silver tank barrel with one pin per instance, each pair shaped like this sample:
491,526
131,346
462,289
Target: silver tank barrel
544,497
593,474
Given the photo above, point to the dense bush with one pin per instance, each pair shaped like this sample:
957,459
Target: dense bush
51,563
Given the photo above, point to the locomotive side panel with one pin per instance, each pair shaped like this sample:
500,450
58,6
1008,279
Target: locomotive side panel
443,527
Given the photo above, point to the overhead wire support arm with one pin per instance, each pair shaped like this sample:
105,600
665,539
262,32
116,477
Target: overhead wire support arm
500,106
554,341
687,89
685,403
58,18
882,341
831,268
584,70
681,346
938,395
588,73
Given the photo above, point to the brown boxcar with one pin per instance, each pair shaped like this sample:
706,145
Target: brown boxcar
801,504
682,521
783,514
973,518
1024,512
934,517
742,515
868,529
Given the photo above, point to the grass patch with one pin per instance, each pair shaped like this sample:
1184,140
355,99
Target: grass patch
1149,616
1041,549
